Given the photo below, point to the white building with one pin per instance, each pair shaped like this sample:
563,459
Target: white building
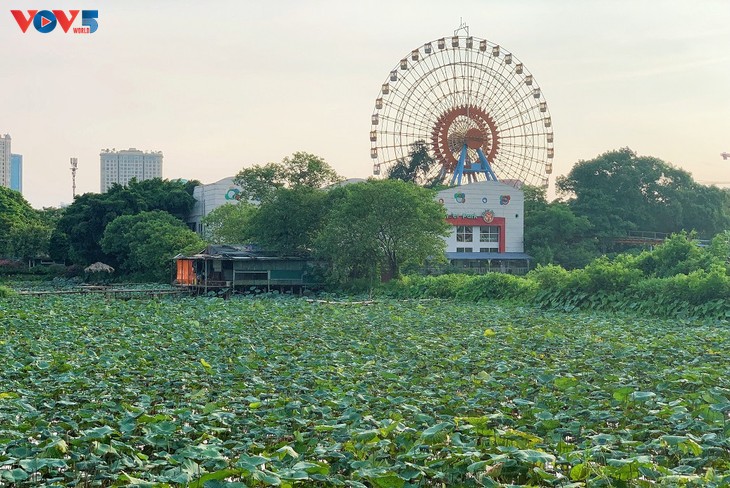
487,226
209,197
121,166
5,160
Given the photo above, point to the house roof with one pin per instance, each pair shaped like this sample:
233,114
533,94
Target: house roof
237,252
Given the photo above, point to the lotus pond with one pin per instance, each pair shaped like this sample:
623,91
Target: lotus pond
283,392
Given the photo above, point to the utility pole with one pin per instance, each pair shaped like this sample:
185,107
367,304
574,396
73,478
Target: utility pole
74,165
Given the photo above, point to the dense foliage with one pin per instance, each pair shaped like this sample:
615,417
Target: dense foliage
301,170
144,244
82,225
619,191
228,224
212,393
416,168
22,231
677,279
358,230
554,234
289,219
382,225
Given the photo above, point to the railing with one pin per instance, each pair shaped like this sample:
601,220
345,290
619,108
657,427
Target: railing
477,270
649,237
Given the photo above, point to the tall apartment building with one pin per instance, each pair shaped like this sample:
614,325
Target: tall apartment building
5,160
121,166
16,172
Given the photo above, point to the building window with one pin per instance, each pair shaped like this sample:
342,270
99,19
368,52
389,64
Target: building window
464,233
489,234
488,249
464,249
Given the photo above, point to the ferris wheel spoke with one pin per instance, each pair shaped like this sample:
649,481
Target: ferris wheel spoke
527,111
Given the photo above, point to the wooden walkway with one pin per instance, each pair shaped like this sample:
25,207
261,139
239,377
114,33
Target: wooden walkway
648,238
121,293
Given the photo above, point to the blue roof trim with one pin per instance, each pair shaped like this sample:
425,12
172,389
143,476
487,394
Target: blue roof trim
488,255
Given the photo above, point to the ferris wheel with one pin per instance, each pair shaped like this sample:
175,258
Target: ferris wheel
466,108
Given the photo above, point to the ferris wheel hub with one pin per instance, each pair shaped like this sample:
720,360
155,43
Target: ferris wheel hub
474,138
468,125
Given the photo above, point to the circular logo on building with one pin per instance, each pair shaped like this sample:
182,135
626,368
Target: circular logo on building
488,216
233,194
460,197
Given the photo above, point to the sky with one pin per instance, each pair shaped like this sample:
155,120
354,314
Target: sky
222,85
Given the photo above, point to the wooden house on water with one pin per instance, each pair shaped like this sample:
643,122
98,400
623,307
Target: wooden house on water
241,269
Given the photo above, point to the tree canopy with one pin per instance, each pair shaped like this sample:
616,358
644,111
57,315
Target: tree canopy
22,231
416,168
381,225
82,224
619,191
288,220
554,234
300,170
145,243
229,223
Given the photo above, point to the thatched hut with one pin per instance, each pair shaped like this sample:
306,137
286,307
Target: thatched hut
98,272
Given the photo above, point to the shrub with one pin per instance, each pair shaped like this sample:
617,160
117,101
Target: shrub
549,277
5,292
496,286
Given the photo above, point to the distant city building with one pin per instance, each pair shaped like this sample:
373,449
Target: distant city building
121,166
16,172
5,160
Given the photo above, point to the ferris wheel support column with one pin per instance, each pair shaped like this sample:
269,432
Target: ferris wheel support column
482,166
486,166
459,171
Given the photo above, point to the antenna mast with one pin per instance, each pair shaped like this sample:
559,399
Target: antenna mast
74,166
462,27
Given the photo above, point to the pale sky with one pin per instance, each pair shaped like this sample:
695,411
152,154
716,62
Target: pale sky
221,85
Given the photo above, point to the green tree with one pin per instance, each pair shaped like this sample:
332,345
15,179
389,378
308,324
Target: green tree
680,254
416,168
554,234
619,191
84,221
720,247
259,182
382,225
300,170
50,216
145,243
15,212
29,240
58,246
288,221
229,223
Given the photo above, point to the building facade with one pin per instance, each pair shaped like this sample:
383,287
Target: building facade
487,226
5,160
208,198
121,166
16,172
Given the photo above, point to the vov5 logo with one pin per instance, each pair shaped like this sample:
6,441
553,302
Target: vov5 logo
45,21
